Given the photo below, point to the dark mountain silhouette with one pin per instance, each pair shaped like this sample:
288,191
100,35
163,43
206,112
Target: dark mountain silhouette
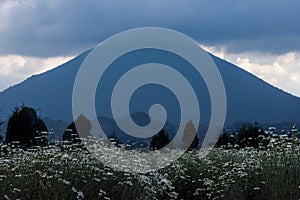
248,97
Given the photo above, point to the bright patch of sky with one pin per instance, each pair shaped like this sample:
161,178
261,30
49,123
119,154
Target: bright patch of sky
16,68
282,71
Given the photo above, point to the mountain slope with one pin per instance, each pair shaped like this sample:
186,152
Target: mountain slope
50,92
252,99
248,98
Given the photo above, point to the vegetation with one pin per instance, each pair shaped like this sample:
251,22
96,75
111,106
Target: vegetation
71,135
26,128
1,137
249,135
248,164
189,133
114,140
1,123
247,173
159,140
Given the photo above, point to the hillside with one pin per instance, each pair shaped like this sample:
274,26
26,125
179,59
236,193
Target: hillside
248,97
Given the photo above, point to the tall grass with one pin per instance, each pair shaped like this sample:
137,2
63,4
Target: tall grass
248,173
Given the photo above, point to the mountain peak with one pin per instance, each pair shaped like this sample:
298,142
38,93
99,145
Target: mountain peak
248,97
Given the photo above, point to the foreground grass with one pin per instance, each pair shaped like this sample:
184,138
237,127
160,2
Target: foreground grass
223,174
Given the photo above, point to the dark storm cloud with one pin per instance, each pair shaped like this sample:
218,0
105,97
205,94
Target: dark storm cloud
55,27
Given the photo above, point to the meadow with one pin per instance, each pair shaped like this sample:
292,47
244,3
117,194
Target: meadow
248,173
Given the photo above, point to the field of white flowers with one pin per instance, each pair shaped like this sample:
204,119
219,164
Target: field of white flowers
50,173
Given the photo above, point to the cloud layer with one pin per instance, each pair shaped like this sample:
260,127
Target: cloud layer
54,27
16,68
262,37
282,71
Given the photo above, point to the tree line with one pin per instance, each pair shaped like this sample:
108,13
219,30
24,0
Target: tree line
26,129
249,135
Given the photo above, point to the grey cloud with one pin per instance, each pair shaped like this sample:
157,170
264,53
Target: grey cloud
50,28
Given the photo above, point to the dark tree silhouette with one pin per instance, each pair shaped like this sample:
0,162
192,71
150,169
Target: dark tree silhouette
70,135
1,137
1,122
159,140
190,139
226,140
81,125
249,135
114,140
223,140
26,128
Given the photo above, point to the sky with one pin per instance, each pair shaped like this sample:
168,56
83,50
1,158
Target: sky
260,36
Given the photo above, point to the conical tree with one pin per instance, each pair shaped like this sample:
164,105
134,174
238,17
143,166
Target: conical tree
81,125
190,139
26,128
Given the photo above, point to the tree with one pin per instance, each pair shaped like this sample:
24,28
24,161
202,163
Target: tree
1,137
190,135
225,140
251,136
1,122
70,135
114,140
26,128
159,140
81,125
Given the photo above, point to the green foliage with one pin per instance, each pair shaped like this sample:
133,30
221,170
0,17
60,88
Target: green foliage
26,128
159,140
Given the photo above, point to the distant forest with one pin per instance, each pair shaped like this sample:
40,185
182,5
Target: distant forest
26,129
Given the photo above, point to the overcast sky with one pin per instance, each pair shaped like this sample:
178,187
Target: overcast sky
260,36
